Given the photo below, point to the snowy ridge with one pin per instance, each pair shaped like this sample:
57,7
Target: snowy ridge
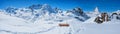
35,12
31,13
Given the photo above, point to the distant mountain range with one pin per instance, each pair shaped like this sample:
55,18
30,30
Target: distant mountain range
36,12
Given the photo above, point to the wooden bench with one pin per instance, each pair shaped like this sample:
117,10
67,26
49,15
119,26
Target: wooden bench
63,25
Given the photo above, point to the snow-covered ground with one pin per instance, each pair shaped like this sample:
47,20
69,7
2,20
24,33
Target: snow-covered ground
14,25
110,27
100,28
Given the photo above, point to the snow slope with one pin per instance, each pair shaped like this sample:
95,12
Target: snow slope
14,25
101,29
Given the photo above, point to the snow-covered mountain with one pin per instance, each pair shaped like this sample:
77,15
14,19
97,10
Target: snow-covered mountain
94,13
34,12
78,14
43,19
30,13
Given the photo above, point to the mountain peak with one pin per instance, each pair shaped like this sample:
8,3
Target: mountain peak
37,6
96,11
46,6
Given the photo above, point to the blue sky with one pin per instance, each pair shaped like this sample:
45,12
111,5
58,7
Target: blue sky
86,5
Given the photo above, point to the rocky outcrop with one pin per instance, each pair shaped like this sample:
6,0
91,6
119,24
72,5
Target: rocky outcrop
115,16
104,17
97,20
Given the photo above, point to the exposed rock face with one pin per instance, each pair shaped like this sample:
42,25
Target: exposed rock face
104,17
97,20
78,14
115,16
78,11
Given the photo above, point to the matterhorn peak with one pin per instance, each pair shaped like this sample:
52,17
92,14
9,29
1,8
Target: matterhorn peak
96,11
